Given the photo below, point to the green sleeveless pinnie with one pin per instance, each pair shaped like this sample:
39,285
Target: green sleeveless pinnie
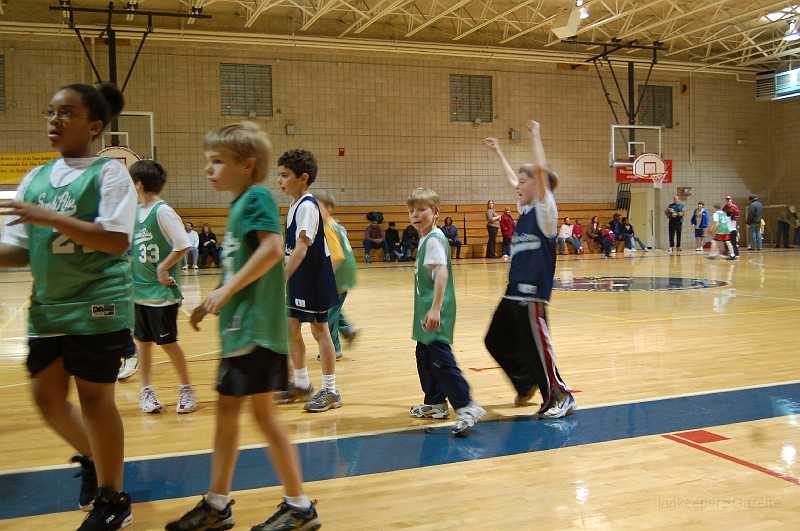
256,315
76,290
346,272
148,249
423,296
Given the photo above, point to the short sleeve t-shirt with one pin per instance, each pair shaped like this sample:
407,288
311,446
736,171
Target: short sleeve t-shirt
435,253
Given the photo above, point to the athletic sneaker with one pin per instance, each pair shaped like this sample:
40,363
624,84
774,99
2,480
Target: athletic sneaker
111,511
561,409
186,401
195,267
324,400
204,518
291,518
467,418
148,401
523,400
349,334
430,411
88,476
129,368
339,356
294,394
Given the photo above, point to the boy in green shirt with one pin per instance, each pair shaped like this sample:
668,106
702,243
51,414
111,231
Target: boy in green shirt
159,244
252,323
435,319
344,269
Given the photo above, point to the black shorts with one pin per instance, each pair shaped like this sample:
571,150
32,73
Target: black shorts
157,323
94,358
308,317
261,371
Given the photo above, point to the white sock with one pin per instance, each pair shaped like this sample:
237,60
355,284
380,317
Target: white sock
299,502
217,501
329,382
301,379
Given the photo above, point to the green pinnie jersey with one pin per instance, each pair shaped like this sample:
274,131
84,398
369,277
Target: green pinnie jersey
256,315
423,295
346,272
76,290
148,249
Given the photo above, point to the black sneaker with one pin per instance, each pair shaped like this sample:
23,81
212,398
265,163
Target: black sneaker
88,477
111,511
204,518
289,518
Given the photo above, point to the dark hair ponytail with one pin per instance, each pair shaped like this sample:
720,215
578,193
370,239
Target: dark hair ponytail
104,101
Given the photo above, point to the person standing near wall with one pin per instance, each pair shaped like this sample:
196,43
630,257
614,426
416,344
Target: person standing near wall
674,213
732,210
787,219
492,225
755,213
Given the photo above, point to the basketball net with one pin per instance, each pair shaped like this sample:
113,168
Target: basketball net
650,166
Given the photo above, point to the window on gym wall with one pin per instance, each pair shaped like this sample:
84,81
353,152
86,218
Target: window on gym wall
245,90
2,83
655,107
470,98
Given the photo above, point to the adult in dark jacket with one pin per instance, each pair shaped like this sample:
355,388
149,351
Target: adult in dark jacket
787,220
755,213
208,247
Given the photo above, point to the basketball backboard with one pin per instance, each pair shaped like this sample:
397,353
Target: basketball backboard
630,141
135,132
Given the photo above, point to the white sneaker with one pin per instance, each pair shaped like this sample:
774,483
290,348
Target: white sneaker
186,401
430,411
505,258
184,268
561,409
468,416
195,267
669,250
148,401
129,368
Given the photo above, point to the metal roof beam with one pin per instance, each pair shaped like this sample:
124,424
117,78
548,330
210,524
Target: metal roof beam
497,17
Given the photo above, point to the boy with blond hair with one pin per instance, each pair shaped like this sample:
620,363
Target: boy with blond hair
344,269
251,303
435,319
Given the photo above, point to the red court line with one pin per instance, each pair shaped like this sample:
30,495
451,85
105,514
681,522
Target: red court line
700,436
736,460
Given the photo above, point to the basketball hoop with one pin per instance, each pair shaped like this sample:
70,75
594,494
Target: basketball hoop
650,166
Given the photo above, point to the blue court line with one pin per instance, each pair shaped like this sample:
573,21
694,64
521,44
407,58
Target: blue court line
49,491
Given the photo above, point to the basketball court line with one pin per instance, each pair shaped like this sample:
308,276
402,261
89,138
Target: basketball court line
371,433
732,459
148,480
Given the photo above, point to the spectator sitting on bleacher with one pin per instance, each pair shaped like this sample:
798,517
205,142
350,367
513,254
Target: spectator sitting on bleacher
374,239
392,239
451,232
596,231
565,237
194,242
616,227
577,233
630,237
410,242
607,241
208,246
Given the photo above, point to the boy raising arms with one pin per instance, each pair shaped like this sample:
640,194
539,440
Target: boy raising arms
435,319
519,337
311,283
251,304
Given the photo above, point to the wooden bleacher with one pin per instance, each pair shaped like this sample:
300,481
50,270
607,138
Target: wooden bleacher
470,219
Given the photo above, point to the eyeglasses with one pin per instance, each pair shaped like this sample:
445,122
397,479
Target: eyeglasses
62,115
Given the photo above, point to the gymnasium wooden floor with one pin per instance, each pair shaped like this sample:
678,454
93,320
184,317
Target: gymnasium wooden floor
718,366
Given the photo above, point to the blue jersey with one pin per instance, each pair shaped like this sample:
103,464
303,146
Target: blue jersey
312,287
533,254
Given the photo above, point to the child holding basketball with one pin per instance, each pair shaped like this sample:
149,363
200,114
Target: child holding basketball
344,269
435,319
159,244
519,336
721,233
311,283
251,305
73,219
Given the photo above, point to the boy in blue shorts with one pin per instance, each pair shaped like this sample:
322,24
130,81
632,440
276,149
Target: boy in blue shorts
311,286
